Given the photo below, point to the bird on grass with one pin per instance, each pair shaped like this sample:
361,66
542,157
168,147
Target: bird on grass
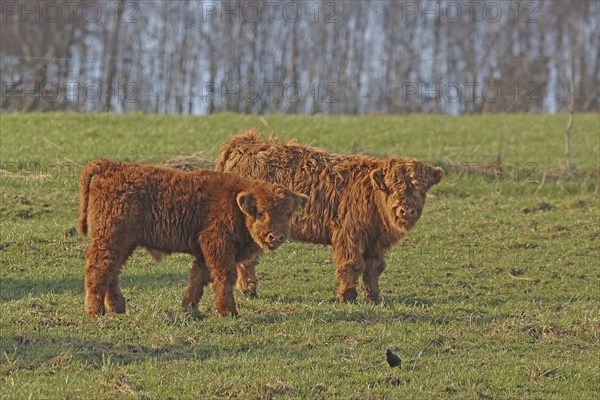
392,358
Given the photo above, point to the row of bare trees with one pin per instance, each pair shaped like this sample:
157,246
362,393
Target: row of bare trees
265,56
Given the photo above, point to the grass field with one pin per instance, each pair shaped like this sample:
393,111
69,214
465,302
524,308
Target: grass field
494,294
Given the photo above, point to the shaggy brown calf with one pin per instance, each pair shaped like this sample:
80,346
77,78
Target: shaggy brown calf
220,219
360,205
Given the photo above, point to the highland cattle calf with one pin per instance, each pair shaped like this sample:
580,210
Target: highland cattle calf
219,218
360,205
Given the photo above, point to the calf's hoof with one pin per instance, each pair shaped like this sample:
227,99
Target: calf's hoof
94,311
188,303
93,306
224,312
115,310
115,307
371,298
348,295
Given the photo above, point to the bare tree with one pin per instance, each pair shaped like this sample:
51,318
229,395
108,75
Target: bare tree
110,57
342,57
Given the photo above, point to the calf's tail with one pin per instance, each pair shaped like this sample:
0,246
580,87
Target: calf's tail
85,179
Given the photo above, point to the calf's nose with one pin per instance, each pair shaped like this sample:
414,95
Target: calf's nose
275,237
409,212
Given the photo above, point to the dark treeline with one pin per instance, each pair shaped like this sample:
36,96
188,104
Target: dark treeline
335,57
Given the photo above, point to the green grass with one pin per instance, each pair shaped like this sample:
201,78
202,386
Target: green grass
493,295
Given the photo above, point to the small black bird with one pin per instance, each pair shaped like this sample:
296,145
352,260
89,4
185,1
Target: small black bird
392,359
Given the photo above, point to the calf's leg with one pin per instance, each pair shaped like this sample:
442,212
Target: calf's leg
246,278
104,259
349,267
219,258
114,301
95,288
223,286
373,268
198,278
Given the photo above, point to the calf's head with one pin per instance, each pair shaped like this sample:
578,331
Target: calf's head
404,183
267,210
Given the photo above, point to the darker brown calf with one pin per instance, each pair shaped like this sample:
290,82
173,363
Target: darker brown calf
360,205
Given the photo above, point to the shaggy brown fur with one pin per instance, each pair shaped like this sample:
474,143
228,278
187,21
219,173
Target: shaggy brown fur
220,219
360,205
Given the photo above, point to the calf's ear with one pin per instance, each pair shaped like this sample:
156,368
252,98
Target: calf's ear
377,180
301,202
436,175
246,203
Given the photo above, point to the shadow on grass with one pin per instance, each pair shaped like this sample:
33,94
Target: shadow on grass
37,351
18,288
407,301
41,352
331,310
387,301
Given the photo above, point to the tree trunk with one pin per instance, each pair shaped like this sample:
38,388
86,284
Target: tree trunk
110,58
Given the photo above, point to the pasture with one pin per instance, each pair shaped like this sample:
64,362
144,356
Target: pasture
493,295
